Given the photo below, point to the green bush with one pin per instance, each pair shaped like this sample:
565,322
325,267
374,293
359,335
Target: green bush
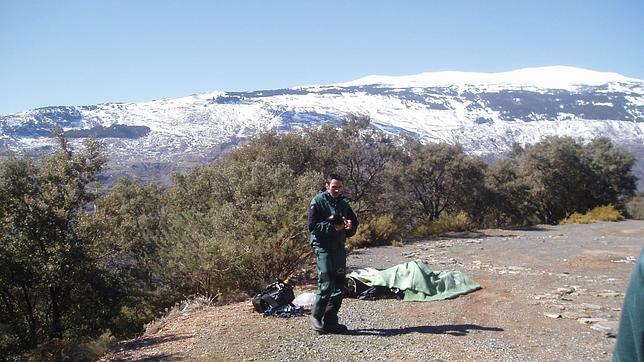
235,225
600,213
64,350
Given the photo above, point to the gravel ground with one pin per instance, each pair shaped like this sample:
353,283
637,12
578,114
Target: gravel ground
550,293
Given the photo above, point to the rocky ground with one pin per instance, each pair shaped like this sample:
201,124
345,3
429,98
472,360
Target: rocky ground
549,293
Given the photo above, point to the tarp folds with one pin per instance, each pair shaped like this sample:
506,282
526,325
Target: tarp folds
418,281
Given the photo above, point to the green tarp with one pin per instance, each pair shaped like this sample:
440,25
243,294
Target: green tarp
418,281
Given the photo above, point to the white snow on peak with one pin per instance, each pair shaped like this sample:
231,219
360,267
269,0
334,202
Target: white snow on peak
552,77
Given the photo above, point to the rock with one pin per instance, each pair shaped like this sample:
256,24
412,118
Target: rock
609,294
567,290
552,315
604,315
609,328
543,296
591,320
590,306
517,268
575,315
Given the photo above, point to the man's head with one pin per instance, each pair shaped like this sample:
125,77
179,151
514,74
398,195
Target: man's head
334,185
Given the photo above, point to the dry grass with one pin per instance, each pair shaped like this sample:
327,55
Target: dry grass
600,213
380,230
459,222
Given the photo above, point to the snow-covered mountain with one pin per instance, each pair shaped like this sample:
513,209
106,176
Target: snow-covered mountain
484,112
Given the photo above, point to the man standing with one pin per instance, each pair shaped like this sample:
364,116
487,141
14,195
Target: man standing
630,336
331,221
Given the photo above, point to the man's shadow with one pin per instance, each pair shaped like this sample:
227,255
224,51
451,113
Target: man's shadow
452,329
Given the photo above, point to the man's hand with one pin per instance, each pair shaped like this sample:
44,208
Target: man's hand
338,227
347,223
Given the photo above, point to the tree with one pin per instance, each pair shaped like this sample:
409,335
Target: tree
441,178
611,170
362,154
508,200
565,177
125,230
50,286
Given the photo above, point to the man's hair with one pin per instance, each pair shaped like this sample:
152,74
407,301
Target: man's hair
333,176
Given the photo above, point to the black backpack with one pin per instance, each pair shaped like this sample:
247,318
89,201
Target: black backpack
275,295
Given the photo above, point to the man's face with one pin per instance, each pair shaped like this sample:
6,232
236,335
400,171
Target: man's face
334,188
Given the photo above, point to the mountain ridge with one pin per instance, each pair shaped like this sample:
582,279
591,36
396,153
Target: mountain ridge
485,112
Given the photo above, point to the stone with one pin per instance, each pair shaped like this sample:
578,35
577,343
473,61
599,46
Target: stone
567,290
517,268
604,315
552,315
543,296
575,315
590,306
609,328
591,320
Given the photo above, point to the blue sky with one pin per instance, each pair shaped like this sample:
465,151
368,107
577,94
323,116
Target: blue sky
64,52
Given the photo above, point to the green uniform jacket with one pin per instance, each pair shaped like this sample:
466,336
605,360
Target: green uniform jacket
323,233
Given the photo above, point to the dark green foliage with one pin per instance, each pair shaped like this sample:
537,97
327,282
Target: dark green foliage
244,227
293,150
438,179
558,177
50,284
508,197
565,176
611,169
126,231
363,155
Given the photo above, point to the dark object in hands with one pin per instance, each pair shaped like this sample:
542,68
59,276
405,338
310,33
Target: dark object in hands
336,219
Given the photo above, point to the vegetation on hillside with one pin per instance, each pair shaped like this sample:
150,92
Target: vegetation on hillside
74,264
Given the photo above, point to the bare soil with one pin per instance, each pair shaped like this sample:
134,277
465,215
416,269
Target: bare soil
549,293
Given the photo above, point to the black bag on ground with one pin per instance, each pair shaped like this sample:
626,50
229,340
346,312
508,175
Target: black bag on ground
275,295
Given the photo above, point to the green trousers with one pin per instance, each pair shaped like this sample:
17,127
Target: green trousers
331,265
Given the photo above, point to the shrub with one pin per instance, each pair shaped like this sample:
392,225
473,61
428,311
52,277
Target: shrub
600,213
459,222
635,207
422,230
234,226
381,230
398,242
63,350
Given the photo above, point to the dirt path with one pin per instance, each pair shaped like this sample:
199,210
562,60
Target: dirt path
549,294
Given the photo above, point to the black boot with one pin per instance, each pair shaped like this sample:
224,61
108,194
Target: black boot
316,318
317,325
331,324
